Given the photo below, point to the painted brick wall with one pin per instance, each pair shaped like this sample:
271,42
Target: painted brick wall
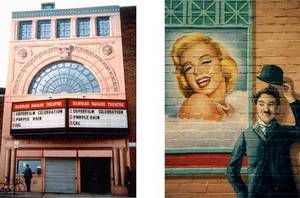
276,40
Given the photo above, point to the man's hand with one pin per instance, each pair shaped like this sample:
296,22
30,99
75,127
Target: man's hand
287,93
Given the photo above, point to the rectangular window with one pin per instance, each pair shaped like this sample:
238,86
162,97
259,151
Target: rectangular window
83,27
63,28
25,30
103,26
44,29
35,166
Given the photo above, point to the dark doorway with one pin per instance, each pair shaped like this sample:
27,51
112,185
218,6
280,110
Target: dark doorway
95,175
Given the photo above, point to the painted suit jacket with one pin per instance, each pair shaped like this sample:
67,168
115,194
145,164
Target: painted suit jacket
269,165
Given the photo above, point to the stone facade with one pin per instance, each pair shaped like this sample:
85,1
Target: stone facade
28,57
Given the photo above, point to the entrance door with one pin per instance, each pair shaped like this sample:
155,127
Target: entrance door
60,176
95,175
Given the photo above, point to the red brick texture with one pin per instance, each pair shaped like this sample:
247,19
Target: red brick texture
128,25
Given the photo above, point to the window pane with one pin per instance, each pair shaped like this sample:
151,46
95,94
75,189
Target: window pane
25,29
103,26
63,28
64,77
33,164
44,29
83,27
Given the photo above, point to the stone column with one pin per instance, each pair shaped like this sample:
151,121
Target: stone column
7,162
93,26
122,172
13,166
53,28
116,166
73,27
15,30
34,29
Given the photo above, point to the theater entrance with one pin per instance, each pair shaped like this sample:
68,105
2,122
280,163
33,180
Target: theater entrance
95,175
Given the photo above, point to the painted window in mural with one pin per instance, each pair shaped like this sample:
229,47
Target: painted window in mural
207,72
64,77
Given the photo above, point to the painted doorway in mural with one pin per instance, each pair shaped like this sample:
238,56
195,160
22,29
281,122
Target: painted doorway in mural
95,175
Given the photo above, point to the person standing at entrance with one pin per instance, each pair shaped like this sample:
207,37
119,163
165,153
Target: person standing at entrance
129,181
27,176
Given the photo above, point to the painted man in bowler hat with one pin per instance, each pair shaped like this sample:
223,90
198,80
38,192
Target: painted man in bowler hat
267,144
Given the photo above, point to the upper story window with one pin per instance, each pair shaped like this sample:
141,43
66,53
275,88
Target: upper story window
64,77
25,30
63,28
44,29
103,26
46,6
83,27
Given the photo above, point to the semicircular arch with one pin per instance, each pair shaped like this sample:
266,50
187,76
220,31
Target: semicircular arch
102,70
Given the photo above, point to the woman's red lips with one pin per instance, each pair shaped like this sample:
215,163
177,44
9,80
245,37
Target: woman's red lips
203,82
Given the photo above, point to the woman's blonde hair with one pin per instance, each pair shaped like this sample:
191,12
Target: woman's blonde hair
228,64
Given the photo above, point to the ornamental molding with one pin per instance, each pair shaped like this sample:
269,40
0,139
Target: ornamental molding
72,53
66,12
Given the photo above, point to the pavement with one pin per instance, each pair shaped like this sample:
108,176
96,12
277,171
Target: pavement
57,195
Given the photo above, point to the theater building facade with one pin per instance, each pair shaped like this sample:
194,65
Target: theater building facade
66,111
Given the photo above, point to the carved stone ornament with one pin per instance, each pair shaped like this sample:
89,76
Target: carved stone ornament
107,51
22,53
65,51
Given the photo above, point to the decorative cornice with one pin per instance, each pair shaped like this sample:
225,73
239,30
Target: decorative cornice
66,12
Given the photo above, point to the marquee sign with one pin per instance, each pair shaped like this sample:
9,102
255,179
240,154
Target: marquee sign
73,116
39,114
97,114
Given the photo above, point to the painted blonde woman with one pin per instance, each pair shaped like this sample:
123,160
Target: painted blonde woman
206,73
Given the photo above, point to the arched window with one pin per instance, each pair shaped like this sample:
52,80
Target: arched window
64,77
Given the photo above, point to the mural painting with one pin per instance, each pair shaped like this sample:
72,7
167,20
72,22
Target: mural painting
229,118
206,87
207,73
267,144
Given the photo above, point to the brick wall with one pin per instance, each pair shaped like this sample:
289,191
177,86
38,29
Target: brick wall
276,40
195,186
1,115
128,25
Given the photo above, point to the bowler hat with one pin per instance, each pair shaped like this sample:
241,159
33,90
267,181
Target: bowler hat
272,74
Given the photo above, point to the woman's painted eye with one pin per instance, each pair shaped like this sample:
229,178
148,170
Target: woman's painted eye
186,67
206,61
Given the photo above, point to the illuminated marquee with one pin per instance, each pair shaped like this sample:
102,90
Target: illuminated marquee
97,114
39,114
74,116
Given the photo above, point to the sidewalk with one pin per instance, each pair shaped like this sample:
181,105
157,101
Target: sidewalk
56,195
